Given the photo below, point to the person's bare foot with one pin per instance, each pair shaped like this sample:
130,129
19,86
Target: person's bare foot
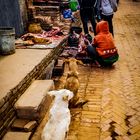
97,63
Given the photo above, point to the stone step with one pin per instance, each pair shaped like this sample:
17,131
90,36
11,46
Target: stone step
35,101
48,8
40,3
53,3
23,125
17,136
59,68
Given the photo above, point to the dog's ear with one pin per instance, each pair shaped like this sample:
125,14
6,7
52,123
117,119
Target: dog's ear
68,94
65,98
69,74
72,73
52,93
77,73
66,61
79,62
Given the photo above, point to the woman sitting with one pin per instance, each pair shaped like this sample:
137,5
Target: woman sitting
103,51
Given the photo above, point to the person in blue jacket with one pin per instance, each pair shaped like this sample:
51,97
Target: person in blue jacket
105,12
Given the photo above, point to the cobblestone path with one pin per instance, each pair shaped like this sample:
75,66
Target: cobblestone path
113,110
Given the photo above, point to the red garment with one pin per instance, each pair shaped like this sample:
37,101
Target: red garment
104,41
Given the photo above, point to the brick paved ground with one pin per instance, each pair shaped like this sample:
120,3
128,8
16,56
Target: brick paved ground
113,110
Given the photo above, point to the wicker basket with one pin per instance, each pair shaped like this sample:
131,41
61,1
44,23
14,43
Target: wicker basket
34,28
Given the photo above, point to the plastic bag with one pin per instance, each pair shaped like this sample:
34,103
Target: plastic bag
74,5
67,13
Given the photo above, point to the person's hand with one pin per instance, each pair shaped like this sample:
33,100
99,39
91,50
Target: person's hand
86,41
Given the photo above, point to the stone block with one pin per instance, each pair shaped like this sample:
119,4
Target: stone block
30,126
24,125
19,124
2,101
49,70
35,101
53,3
59,68
17,136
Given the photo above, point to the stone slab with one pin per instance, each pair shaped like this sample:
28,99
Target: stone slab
17,136
30,126
19,124
13,68
34,103
24,125
59,68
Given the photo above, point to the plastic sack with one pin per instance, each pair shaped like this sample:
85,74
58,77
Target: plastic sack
73,5
67,13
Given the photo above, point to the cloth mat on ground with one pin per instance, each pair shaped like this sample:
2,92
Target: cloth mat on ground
54,43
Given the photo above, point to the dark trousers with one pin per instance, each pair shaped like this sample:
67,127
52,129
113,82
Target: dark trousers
87,14
91,51
109,20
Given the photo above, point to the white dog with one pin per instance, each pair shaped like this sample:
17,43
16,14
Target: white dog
59,119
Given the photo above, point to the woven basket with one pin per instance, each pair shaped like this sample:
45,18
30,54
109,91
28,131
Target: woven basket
34,28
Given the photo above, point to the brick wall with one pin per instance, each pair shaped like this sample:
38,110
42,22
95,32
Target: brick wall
7,112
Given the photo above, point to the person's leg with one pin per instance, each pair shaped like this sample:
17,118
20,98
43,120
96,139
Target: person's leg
85,26
91,51
93,21
109,20
110,24
84,20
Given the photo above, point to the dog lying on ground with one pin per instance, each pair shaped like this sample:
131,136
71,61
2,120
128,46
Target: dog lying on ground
59,117
73,64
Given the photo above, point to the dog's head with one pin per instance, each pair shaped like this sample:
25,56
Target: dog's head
62,94
73,60
72,73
